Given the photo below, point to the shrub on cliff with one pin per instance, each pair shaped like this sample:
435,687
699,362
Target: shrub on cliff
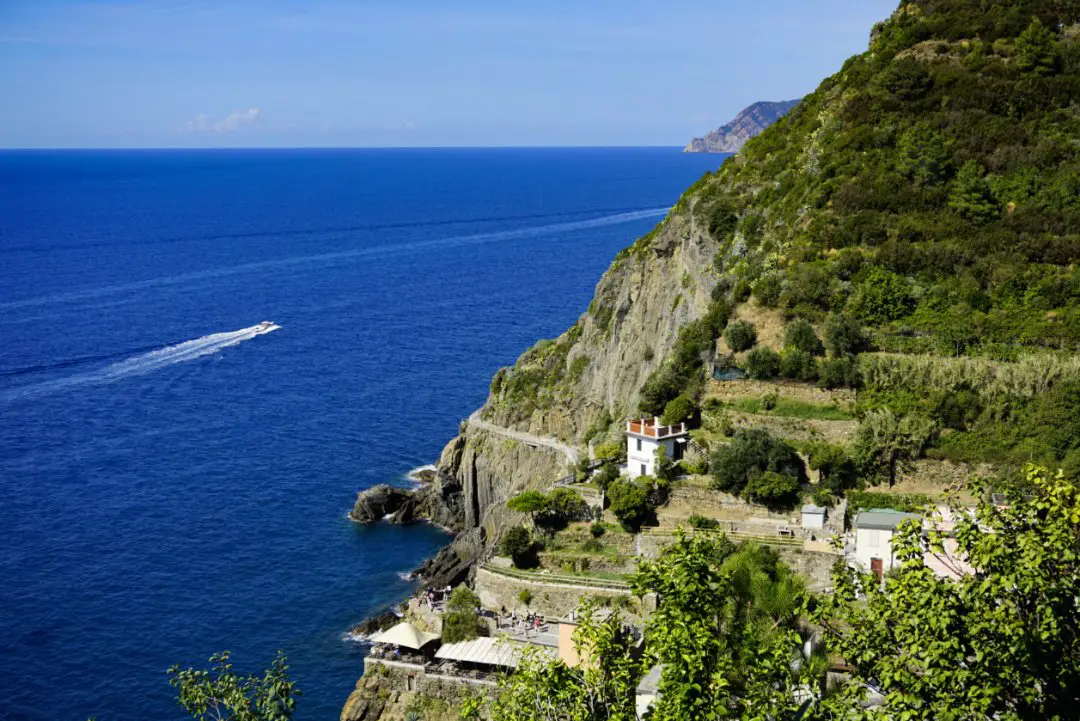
518,545
775,490
629,501
763,363
752,452
678,410
564,505
608,473
461,622
800,335
740,336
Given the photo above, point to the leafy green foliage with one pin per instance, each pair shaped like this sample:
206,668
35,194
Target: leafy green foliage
971,196
610,452
629,501
517,544
740,336
886,444
608,473
1036,49
843,335
882,296
220,694
1000,643
800,335
752,452
703,522
833,463
552,511
545,689
762,363
723,630
775,490
678,410
461,622
798,365
839,372
531,502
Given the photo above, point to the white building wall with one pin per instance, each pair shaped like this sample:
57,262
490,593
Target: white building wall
813,521
873,543
641,454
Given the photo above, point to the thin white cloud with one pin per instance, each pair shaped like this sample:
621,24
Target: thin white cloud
238,119
234,121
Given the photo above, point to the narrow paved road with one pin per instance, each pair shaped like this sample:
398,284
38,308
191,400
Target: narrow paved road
572,454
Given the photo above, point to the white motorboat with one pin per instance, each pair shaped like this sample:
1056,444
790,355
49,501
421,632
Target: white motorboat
265,327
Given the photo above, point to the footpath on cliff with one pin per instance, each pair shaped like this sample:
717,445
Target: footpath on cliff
572,454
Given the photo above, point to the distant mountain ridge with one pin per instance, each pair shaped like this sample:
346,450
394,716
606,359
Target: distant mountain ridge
750,122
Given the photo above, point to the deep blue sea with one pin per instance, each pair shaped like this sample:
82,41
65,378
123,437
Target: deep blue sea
171,483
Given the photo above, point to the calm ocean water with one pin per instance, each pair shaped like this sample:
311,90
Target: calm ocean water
173,484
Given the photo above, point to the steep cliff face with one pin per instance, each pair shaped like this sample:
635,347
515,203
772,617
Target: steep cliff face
747,124
580,386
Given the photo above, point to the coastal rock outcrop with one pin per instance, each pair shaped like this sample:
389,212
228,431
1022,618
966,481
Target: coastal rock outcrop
385,503
439,502
747,124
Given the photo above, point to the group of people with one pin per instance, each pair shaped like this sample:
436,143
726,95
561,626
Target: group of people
526,622
436,597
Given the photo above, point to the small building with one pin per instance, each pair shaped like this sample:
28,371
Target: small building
644,436
813,517
874,530
489,655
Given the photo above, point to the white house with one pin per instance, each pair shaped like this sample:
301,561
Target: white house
874,530
644,436
813,517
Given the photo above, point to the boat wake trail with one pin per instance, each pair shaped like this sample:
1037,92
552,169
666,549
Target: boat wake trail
143,363
332,257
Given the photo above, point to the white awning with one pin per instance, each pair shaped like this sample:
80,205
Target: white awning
406,635
488,651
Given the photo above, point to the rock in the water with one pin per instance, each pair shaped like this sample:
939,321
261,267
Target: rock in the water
373,624
384,503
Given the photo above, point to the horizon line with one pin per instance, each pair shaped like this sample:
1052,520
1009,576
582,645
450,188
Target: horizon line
94,148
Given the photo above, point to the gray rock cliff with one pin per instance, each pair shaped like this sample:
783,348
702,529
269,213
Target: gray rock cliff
750,122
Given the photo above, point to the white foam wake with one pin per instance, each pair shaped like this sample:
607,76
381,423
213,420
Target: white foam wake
145,362
188,350
78,296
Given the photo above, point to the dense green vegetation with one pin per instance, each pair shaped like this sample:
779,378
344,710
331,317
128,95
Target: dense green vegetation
550,511
930,188
763,468
1000,643
462,621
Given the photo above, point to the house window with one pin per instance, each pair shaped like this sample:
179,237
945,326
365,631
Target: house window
639,445
644,471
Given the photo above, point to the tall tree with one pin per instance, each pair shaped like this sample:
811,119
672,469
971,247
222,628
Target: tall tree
724,632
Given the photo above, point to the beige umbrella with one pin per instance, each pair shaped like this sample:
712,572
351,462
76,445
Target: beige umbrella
406,635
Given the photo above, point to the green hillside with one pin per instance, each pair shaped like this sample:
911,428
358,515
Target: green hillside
924,201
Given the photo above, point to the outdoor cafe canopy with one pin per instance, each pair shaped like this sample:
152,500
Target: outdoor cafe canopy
407,636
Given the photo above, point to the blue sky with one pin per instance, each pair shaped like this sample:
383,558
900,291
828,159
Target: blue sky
188,73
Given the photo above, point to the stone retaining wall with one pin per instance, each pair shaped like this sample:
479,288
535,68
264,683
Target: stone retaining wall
497,591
